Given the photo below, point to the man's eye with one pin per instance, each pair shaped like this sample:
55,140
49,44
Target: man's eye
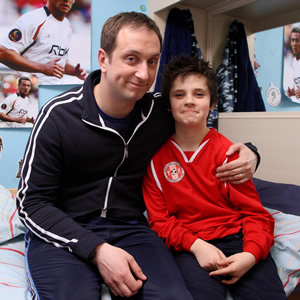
153,62
131,59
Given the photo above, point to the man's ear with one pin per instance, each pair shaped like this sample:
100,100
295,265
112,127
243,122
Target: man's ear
102,59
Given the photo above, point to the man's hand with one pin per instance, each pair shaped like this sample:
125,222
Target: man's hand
235,266
239,170
119,270
79,72
53,68
15,61
30,120
207,255
290,92
297,93
21,120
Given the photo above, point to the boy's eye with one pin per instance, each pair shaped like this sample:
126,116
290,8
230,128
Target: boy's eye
179,95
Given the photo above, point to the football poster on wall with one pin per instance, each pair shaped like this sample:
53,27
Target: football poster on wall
291,78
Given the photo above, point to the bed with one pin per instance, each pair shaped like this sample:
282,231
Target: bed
282,200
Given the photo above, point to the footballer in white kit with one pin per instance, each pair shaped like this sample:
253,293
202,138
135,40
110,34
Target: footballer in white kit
39,36
296,77
14,109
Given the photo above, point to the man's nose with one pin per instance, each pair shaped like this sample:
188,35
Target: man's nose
143,71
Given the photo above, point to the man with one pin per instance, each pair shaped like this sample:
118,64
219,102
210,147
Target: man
39,43
80,193
14,110
295,45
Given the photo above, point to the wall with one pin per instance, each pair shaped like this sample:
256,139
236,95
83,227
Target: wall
269,54
276,136
15,139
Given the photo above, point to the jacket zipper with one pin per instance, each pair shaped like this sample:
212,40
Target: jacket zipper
125,156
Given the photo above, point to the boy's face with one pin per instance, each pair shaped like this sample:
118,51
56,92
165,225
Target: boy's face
190,101
132,68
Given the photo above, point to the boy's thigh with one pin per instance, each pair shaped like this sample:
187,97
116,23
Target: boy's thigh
260,282
54,273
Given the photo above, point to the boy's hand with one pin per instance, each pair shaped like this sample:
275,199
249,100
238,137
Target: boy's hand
207,255
235,266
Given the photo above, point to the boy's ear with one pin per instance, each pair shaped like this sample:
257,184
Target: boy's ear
212,106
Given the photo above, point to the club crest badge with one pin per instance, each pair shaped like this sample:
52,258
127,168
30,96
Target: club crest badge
15,35
173,171
3,106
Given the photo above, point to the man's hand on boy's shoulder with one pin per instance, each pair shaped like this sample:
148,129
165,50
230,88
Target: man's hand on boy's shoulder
241,169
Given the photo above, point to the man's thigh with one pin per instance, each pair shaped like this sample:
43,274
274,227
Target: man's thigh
55,273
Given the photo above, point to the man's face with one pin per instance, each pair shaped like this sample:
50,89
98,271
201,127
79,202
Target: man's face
24,88
131,69
60,8
295,43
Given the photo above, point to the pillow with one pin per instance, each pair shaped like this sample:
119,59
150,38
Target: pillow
281,196
286,248
13,281
10,225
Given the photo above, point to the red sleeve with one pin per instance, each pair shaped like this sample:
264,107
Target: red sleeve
257,223
169,228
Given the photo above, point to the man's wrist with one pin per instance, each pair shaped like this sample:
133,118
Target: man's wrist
254,149
92,255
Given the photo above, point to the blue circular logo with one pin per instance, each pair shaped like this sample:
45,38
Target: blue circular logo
15,35
143,7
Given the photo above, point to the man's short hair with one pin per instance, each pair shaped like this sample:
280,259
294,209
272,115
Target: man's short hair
295,30
114,24
23,78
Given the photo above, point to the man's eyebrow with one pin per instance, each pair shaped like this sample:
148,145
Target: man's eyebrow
128,51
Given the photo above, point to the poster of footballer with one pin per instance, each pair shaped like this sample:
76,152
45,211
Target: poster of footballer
291,82
18,100
49,39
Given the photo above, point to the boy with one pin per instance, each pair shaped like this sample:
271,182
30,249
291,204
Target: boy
220,233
